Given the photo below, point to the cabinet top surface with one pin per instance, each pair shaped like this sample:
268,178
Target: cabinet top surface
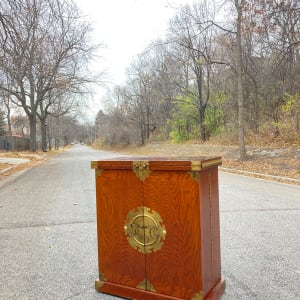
158,163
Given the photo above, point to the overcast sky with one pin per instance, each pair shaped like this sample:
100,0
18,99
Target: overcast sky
126,27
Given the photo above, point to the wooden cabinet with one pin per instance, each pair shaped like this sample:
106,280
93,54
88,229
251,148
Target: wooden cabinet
158,228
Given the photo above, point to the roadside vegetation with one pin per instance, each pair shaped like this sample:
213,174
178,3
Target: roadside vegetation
232,78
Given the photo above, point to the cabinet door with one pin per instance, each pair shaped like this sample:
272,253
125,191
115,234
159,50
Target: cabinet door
118,192
175,269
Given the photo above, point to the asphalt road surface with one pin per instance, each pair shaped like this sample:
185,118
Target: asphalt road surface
48,233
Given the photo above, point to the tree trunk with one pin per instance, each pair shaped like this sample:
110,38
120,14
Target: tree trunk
32,122
202,124
201,106
9,121
49,140
44,134
241,139
142,132
7,105
148,124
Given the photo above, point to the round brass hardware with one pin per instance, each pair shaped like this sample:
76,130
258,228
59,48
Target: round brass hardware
144,230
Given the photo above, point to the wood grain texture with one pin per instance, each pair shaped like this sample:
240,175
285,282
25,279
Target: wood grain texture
117,193
210,228
175,270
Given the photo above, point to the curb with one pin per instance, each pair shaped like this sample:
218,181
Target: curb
7,169
13,177
261,175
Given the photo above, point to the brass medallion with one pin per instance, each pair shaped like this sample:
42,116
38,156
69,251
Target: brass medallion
144,230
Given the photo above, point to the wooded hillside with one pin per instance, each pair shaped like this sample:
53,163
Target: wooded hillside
230,70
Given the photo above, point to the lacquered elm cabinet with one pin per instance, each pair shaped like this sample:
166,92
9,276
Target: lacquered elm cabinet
158,228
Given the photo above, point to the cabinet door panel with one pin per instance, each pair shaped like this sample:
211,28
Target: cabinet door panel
118,192
175,269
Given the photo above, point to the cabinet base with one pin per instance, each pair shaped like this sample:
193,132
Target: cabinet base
217,291
136,294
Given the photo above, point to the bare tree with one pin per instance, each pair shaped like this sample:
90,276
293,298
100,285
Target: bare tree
45,53
20,125
140,97
192,31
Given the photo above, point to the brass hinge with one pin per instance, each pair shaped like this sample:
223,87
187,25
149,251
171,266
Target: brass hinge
141,169
146,286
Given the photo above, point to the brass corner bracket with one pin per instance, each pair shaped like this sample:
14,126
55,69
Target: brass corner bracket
98,172
98,284
100,281
195,175
198,296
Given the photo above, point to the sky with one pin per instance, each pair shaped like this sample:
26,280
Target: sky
126,27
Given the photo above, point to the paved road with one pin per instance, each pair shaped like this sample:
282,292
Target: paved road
48,234
260,237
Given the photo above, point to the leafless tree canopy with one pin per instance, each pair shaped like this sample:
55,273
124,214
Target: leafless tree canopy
45,47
